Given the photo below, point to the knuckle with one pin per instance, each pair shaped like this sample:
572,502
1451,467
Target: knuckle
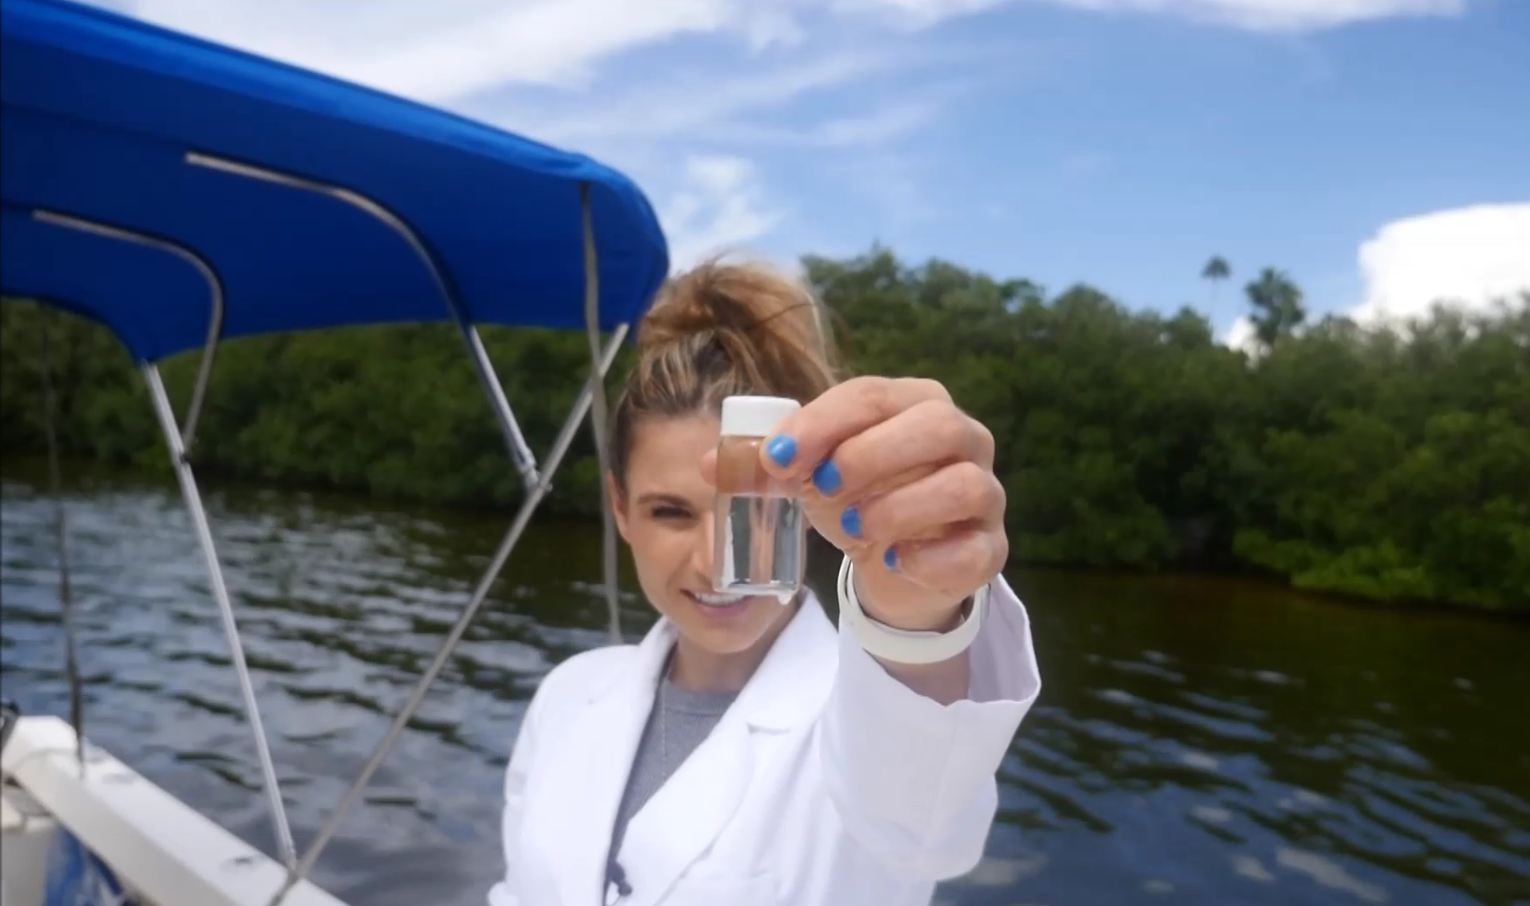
983,440
878,522
971,559
998,494
1000,549
885,519
875,394
949,427
929,388
972,487
866,385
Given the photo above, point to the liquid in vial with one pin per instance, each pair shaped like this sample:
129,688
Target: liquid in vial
760,535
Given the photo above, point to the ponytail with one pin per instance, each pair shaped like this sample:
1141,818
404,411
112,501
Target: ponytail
717,331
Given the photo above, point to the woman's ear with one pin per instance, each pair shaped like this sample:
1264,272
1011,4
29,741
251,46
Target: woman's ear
618,504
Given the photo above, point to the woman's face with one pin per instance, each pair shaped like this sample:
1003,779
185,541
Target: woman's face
666,517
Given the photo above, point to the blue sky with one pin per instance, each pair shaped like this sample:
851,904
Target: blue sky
1375,149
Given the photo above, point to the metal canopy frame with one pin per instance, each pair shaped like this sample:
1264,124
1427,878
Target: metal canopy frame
520,452
214,287
538,482
178,443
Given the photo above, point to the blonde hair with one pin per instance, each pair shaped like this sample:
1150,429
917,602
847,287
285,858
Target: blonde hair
720,330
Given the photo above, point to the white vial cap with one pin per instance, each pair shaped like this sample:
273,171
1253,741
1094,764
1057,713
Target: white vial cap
755,416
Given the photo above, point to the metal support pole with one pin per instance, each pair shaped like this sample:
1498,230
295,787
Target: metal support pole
480,595
520,451
225,607
61,530
599,423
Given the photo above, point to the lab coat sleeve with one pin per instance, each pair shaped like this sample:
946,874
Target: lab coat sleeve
915,781
503,892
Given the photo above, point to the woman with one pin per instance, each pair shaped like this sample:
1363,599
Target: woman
746,752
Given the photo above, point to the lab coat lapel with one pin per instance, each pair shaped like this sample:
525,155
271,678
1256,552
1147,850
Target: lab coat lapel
685,816
591,777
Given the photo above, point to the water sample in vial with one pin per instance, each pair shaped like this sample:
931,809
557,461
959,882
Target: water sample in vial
759,533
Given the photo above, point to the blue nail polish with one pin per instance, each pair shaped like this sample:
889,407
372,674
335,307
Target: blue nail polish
891,558
826,477
782,449
850,521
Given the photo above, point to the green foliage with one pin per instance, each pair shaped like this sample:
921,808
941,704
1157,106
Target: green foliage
1276,304
1396,465
1388,464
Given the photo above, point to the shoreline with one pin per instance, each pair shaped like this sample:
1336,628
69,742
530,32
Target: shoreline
79,473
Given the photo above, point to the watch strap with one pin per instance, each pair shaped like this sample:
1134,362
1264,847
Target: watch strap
905,646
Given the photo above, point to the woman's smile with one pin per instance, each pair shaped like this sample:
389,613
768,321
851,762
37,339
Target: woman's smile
719,606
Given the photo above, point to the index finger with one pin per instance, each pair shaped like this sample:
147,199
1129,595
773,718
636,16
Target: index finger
808,436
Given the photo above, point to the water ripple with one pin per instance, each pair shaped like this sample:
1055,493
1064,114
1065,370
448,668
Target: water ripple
1187,749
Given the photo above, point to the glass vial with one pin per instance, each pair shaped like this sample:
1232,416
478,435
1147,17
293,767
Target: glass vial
759,536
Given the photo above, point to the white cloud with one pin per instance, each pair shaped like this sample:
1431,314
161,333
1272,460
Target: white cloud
1465,255
883,124
1241,336
917,13
1258,15
692,103
895,183
475,56
720,206
776,57
1285,15
439,52
443,51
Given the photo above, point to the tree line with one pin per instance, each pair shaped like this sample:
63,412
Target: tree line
1389,464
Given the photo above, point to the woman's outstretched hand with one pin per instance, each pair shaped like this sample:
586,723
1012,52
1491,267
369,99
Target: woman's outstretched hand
901,480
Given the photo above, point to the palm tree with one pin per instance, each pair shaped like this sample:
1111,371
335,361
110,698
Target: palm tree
1277,305
1216,270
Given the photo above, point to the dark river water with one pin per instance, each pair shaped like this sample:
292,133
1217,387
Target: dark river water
1197,742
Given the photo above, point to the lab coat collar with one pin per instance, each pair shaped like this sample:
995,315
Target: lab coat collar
788,689
686,814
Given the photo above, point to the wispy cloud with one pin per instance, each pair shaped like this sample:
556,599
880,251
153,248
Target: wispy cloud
894,183
1256,15
692,120
687,104
705,100
443,51
913,13
1283,15
720,205
886,123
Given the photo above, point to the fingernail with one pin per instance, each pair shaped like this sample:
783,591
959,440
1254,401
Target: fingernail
826,477
782,449
850,521
891,558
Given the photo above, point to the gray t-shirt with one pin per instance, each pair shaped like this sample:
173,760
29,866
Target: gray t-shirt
679,721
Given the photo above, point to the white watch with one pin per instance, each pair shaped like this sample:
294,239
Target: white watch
903,646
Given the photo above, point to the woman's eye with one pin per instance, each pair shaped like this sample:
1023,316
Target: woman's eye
670,512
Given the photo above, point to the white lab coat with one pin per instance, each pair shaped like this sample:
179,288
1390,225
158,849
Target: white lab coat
827,783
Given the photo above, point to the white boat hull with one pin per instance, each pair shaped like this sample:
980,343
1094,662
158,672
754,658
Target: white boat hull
162,851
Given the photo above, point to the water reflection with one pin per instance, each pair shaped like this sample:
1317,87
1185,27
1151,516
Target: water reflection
1197,742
